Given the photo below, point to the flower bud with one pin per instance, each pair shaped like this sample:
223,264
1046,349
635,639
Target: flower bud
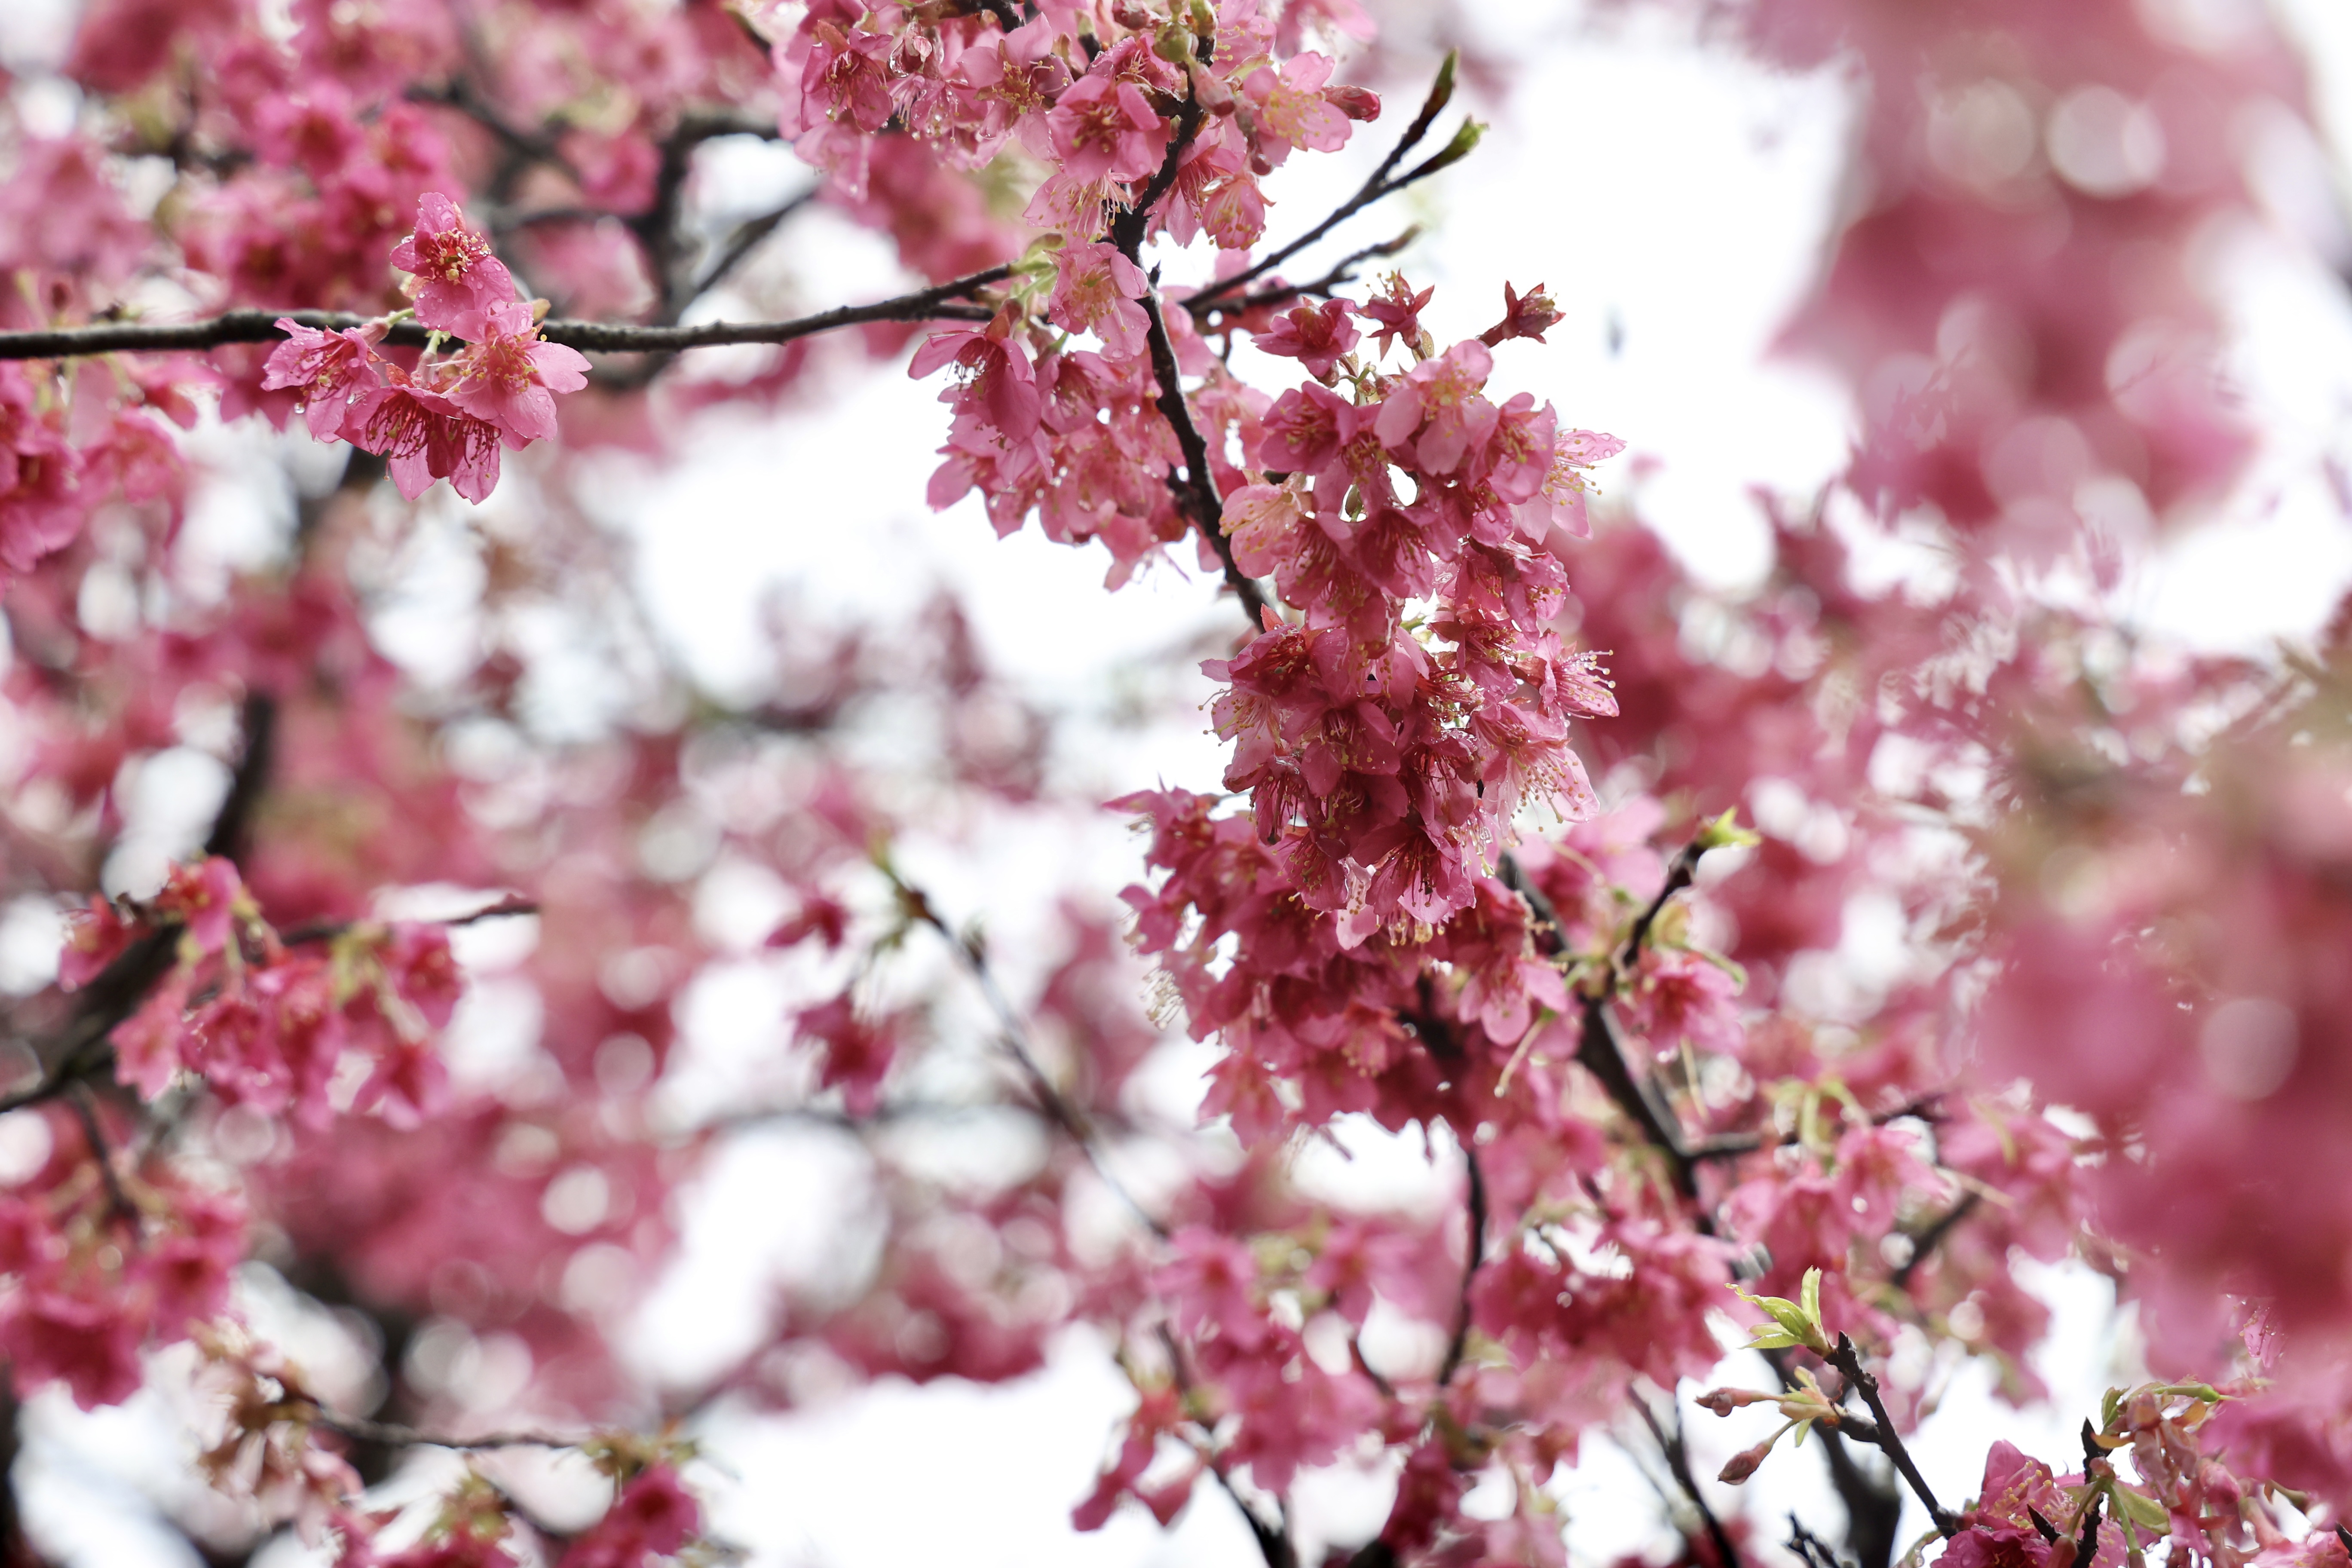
1210,92
1355,103
1744,1464
1724,1401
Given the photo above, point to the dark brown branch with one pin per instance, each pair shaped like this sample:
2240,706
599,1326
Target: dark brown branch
521,144
362,1430
16,1550
119,1206
1882,1432
1811,1549
1342,272
1680,872
1208,507
1679,1463
1926,1241
590,337
1378,186
1873,1506
1199,489
232,827
79,1049
1598,1050
746,239
327,930
1473,1256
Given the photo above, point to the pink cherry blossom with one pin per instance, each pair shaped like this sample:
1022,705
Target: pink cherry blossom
508,375
456,276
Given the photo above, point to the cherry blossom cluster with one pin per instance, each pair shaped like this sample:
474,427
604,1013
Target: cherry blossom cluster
270,1026
1611,941
102,1261
444,417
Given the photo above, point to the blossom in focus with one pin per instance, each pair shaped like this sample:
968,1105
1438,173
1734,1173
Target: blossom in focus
508,375
456,274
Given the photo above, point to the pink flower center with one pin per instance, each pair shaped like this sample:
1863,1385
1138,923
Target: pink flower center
450,255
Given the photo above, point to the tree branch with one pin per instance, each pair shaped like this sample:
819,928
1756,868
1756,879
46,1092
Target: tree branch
361,1430
1882,1432
1343,271
1678,1462
1208,507
1473,1256
1597,1047
1374,189
1014,1034
1927,1240
246,326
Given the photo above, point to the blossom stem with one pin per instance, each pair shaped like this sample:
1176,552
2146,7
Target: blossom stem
1597,1051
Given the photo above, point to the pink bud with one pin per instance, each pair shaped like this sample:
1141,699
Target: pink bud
1744,1464
1355,103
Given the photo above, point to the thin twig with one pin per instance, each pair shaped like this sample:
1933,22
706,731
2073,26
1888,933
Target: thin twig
1208,507
1927,1240
85,1109
1810,1548
1598,1050
591,337
1342,271
1680,873
1473,1256
1014,1033
1372,190
362,1430
327,930
1678,1461
1200,485
1847,1360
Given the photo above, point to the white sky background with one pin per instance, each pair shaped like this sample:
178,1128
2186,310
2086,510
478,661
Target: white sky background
1677,191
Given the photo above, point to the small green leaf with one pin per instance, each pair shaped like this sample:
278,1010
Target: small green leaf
1725,833
1765,1339
2108,1404
2142,1509
1811,1293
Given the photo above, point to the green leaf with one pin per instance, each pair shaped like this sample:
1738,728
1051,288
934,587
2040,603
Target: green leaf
2108,1404
1725,833
1769,1339
1812,1294
2142,1509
